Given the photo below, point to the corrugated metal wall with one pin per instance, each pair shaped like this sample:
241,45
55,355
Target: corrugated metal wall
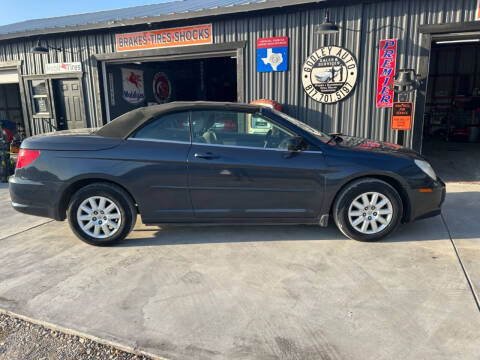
362,27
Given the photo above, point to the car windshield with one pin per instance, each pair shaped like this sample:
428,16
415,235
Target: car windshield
317,133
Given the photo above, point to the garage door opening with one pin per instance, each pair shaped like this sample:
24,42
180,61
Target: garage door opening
149,82
11,114
452,113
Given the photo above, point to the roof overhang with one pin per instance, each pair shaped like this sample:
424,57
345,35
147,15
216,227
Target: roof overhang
230,10
450,28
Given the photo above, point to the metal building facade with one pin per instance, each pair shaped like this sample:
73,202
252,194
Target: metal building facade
362,25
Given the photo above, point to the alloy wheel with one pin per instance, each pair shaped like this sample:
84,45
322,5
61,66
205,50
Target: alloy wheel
99,217
370,213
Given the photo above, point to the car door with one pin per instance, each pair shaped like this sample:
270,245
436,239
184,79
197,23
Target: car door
239,167
159,179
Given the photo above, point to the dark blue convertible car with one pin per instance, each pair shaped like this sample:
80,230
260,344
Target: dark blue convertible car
217,163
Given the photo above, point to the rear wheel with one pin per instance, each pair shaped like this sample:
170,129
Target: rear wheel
101,214
368,210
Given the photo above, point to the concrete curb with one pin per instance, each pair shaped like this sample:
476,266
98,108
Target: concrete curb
82,335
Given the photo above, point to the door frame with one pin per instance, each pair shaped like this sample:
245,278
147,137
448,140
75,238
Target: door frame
49,78
233,49
17,64
82,102
429,33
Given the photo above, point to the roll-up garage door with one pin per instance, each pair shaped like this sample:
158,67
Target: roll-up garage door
8,76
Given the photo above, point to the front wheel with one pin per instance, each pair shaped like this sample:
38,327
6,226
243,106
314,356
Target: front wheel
101,214
368,210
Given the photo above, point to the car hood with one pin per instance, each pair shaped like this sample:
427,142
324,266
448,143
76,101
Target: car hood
362,144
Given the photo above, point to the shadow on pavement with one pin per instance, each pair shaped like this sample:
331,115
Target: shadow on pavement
203,234
423,230
460,210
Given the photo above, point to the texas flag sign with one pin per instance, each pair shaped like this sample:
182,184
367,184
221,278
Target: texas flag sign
272,54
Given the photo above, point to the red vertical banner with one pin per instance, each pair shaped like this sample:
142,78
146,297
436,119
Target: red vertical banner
477,13
386,71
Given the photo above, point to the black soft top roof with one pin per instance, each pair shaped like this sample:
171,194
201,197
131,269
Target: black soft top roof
125,124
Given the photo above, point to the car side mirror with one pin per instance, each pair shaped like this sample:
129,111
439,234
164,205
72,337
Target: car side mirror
296,143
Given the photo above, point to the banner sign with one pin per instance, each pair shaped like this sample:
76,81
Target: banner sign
272,54
477,13
402,115
133,90
184,36
386,71
67,67
329,74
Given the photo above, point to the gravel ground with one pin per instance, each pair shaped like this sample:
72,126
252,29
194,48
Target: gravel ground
20,339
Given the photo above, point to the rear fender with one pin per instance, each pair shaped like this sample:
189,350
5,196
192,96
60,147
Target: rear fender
79,182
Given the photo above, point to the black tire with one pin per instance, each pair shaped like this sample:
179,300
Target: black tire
113,193
347,196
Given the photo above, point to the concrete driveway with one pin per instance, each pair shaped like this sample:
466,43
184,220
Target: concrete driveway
256,292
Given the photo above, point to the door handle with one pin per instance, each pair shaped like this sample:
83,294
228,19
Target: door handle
206,156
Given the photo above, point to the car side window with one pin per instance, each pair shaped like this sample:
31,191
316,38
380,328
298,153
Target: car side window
169,127
235,128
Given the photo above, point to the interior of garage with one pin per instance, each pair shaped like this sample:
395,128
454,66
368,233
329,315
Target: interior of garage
451,137
11,109
149,82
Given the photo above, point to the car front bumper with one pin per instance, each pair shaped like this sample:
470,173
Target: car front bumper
425,204
35,198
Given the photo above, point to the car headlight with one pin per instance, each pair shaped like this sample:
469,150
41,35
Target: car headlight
426,168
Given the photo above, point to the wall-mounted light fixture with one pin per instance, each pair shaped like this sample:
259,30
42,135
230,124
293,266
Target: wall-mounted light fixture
327,27
39,49
405,82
